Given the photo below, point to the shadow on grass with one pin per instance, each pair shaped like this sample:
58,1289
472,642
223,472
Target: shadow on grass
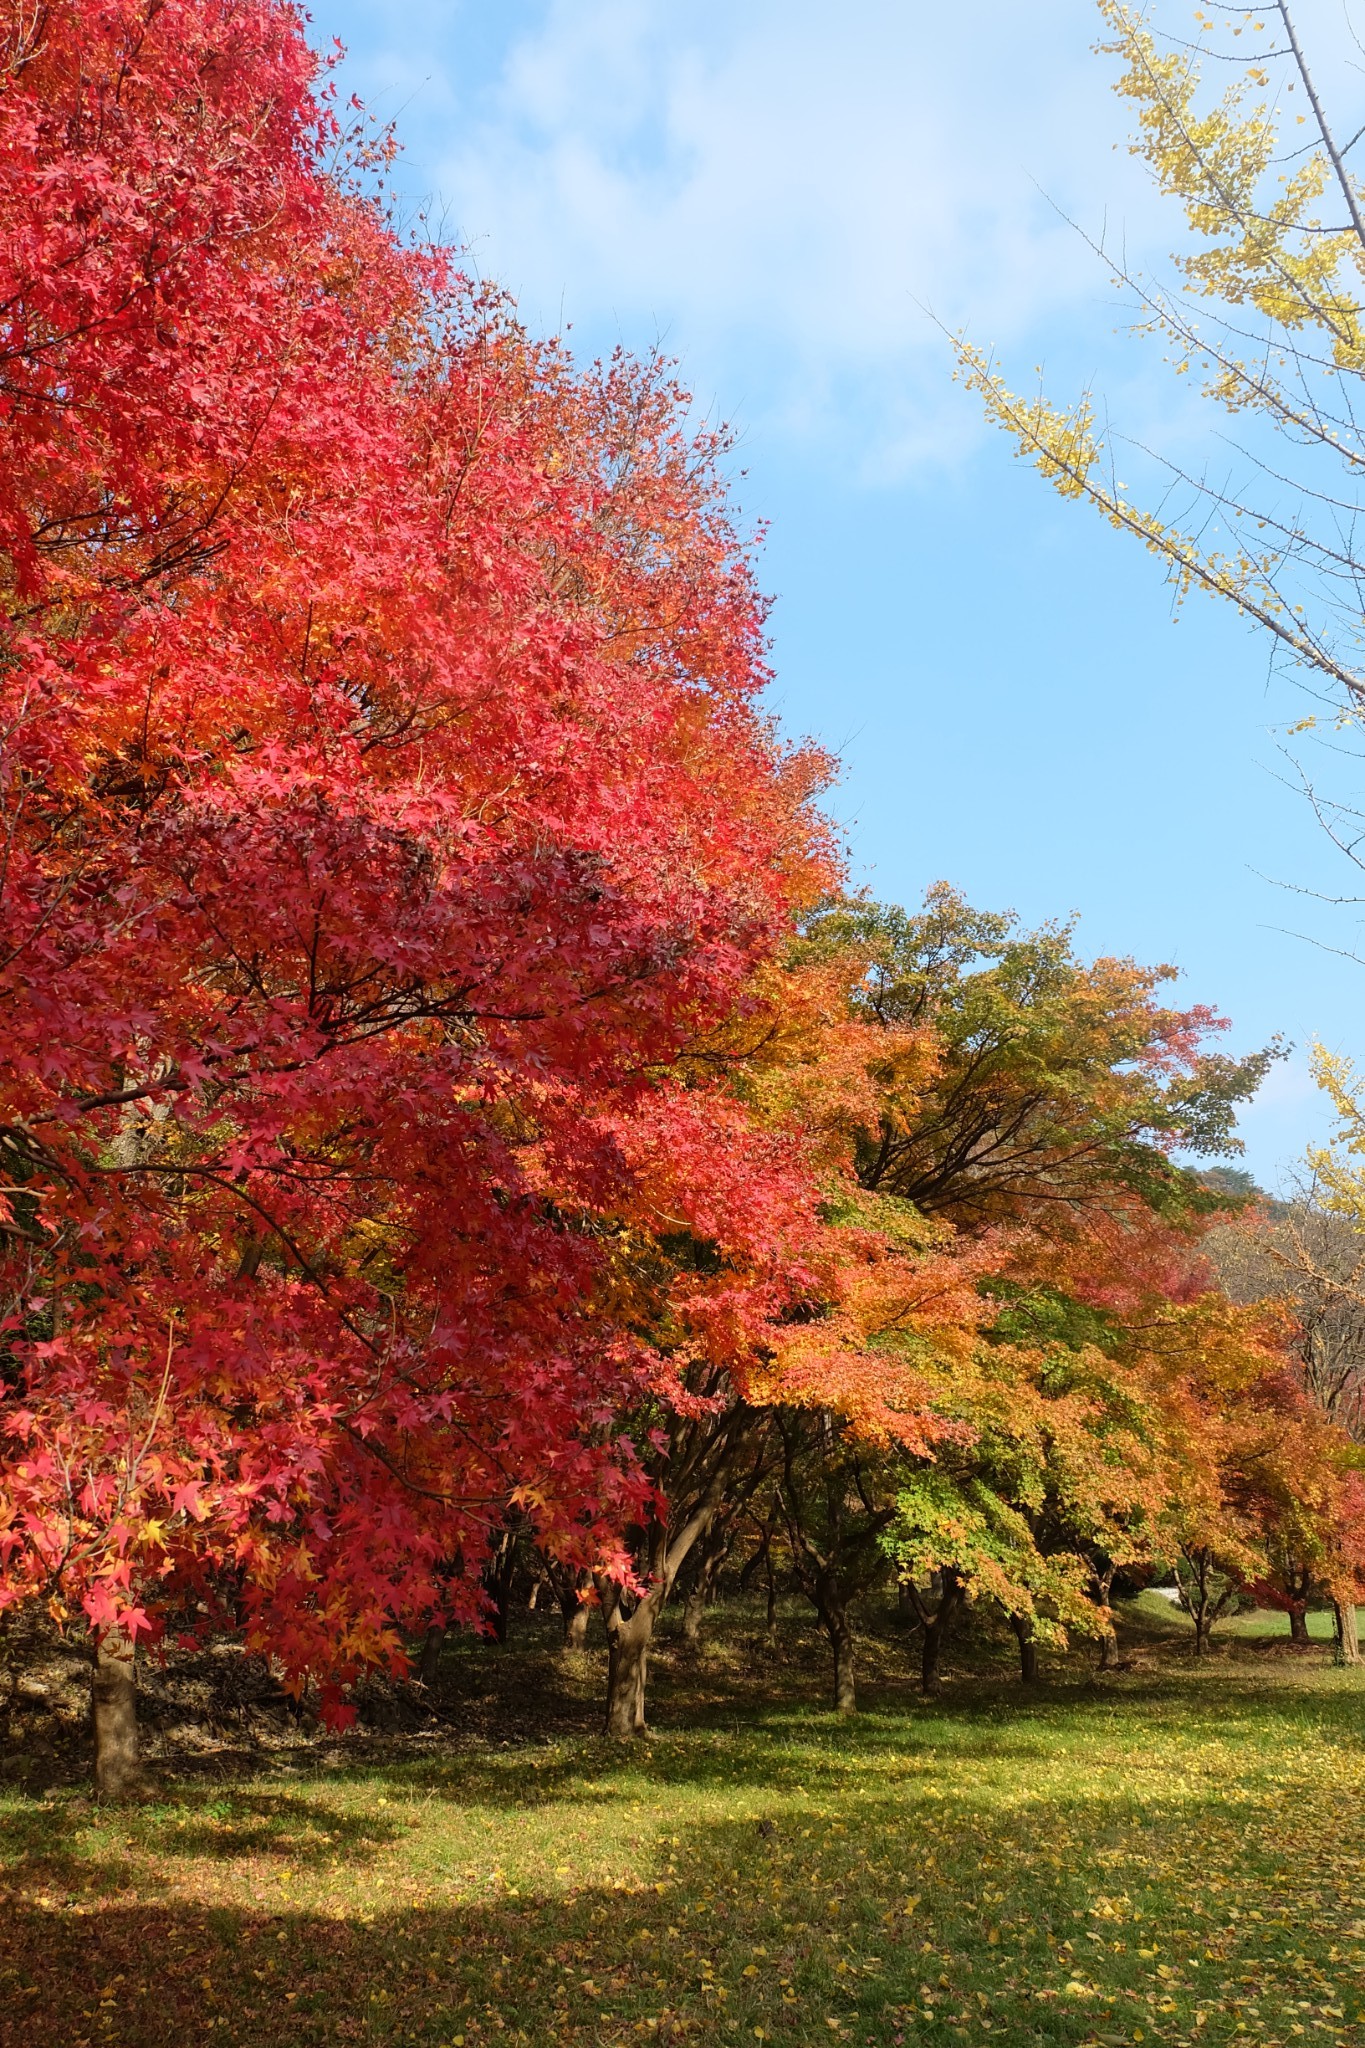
928,1873
76,1852
900,1921
978,1723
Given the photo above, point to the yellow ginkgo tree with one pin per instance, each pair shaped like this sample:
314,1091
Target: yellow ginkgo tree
1263,308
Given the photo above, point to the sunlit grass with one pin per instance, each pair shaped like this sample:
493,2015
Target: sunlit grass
1172,1856
1267,1622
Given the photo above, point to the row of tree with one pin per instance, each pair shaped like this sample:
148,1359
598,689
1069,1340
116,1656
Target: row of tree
1079,1358
446,1100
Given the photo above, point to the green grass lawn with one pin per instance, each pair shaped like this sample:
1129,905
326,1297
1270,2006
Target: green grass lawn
1173,1854
1257,1621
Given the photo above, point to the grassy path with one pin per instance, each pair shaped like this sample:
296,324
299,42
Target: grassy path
1177,1856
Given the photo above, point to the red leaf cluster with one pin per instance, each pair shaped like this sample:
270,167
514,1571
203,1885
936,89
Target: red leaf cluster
385,811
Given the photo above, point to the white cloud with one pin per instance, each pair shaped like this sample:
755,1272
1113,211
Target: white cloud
780,188
783,191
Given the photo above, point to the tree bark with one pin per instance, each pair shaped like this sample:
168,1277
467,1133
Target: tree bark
830,1596
845,1665
118,1772
629,1636
498,1583
628,1641
1028,1648
935,1629
432,1646
1197,1597
1348,1632
570,1589
708,1557
1298,1625
1102,1579
753,1565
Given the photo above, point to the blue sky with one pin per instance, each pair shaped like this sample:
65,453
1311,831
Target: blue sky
790,196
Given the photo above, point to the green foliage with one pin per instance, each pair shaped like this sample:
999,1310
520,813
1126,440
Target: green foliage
1046,1080
983,1534
1045,1316
1232,1182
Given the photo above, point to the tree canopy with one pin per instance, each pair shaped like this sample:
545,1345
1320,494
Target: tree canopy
452,1120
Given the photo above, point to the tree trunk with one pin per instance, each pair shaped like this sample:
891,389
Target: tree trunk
845,1675
1348,1632
830,1597
118,1774
929,1653
570,1589
629,1636
708,1557
754,1564
1298,1625
772,1590
432,1646
628,1641
935,1630
1103,1583
1028,1648
498,1583
1201,1633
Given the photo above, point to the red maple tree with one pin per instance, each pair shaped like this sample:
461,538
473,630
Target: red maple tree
386,809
